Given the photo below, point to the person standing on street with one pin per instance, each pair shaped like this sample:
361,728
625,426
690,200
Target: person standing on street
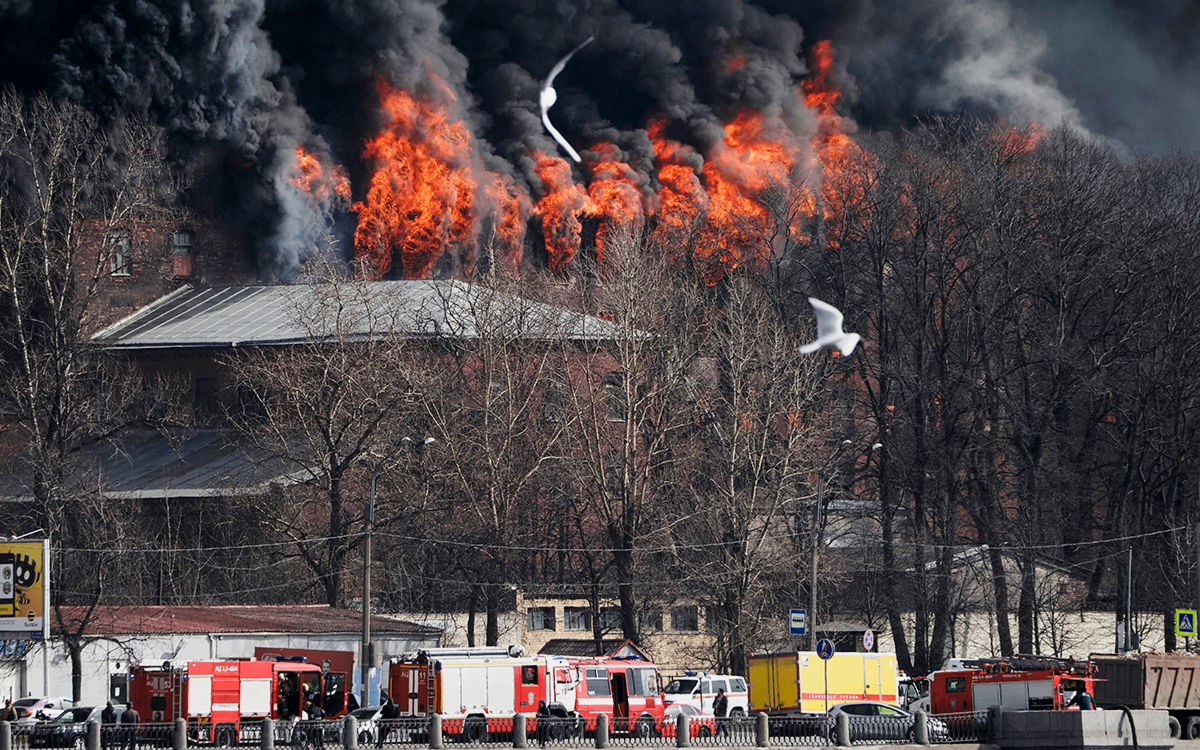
9,713
721,710
387,719
108,722
129,727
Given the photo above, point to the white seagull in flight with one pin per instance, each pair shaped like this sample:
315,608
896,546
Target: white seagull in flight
829,330
548,96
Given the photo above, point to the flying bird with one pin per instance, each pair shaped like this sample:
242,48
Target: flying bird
829,330
548,96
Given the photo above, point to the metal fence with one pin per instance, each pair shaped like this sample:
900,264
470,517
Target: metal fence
961,727
519,732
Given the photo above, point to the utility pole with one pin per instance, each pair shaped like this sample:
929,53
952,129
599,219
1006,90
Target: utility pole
818,538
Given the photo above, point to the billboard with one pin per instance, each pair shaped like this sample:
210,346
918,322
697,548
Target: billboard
24,588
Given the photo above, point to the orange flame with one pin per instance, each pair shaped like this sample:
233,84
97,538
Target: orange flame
511,210
845,167
559,209
314,178
681,197
422,195
615,193
754,155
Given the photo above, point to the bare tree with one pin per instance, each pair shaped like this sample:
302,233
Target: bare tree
323,406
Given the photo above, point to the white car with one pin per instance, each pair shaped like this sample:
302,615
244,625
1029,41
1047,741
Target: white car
29,708
368,727
699,688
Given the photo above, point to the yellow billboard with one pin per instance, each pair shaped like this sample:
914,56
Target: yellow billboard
24,581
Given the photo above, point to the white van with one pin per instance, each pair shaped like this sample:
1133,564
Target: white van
699,689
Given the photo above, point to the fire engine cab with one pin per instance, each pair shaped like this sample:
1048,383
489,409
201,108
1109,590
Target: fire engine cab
627,690
220,698
1019,683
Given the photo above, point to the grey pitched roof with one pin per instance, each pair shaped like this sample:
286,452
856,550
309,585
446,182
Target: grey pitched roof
279,315
142,464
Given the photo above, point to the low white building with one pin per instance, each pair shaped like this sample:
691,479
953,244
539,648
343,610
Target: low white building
112,638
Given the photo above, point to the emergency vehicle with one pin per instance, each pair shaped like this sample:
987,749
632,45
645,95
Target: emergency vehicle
627,690
220,699
800,682
1024,683
477,690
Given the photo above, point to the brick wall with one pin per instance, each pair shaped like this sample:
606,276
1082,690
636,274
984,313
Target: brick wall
152,267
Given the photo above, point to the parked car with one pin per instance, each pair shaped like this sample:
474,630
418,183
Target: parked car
49,707
874,720
700,688
368,726
68,729
700,723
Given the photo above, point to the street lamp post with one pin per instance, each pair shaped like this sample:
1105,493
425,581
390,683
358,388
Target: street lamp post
818,540
368,648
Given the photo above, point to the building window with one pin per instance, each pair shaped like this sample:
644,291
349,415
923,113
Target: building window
122,256
539,618
183,243
206,397
650,619
614,391
684,618
577,618
610,618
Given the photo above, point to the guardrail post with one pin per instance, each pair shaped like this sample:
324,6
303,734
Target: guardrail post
920,727
5,735
435,732
179,735
683,734
996,723
843,730
520,738
266,739
602,731
349,732
92,741
762,730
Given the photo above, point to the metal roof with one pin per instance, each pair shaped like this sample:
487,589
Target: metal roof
143,464
277,315
231,618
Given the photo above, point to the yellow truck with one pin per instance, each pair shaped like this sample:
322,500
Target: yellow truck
795,682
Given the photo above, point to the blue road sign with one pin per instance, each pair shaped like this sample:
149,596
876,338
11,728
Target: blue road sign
1185,622
798,622
825,648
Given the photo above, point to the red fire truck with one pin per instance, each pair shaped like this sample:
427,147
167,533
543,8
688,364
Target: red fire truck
1019,683
478,690
627,690
220,698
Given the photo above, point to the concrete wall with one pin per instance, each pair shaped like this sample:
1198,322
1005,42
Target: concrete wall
1091,729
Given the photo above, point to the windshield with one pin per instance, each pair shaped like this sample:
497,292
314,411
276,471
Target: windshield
681,685
26,702
365,713
72,715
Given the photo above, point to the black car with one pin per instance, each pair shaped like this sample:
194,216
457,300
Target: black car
68,729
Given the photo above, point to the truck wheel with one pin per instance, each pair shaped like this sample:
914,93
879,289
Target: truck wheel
1191,730
224,738
643,729
474,729
1173,727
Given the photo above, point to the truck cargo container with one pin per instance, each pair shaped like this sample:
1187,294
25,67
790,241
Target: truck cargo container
795,682
1168,682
